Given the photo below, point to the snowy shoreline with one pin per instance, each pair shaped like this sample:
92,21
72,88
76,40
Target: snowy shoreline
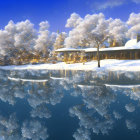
109,65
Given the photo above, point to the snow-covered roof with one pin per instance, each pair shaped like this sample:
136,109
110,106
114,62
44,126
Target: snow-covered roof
131,44
105,49
68,49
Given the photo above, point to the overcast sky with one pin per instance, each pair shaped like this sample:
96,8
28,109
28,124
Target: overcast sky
58,11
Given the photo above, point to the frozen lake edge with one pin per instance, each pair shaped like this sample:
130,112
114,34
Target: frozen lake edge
106,65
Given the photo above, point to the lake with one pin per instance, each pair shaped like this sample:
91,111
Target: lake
69,105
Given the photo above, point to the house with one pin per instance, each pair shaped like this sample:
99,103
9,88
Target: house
130,51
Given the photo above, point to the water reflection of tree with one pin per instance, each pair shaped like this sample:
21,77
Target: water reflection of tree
41,111
34,130
131,92
90,122
10,129
93,114
37,93
38,96
98,98
47,93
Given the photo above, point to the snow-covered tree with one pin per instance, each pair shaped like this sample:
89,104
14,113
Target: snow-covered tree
95,31
59,42
25,35
5,43
17,39
134,25
117,31
45,40
83,30
99,35
74,20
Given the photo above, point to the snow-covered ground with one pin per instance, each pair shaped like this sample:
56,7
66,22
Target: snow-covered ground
110,64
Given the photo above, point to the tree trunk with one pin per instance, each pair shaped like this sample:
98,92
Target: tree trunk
98,56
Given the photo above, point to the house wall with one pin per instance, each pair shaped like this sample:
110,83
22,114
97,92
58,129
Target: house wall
117,54
74,57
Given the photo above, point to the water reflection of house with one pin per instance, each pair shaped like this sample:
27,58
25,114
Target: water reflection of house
130,51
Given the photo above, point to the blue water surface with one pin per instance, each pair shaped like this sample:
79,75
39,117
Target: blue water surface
69,105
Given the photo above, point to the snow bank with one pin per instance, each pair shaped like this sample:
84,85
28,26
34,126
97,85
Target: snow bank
109,65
